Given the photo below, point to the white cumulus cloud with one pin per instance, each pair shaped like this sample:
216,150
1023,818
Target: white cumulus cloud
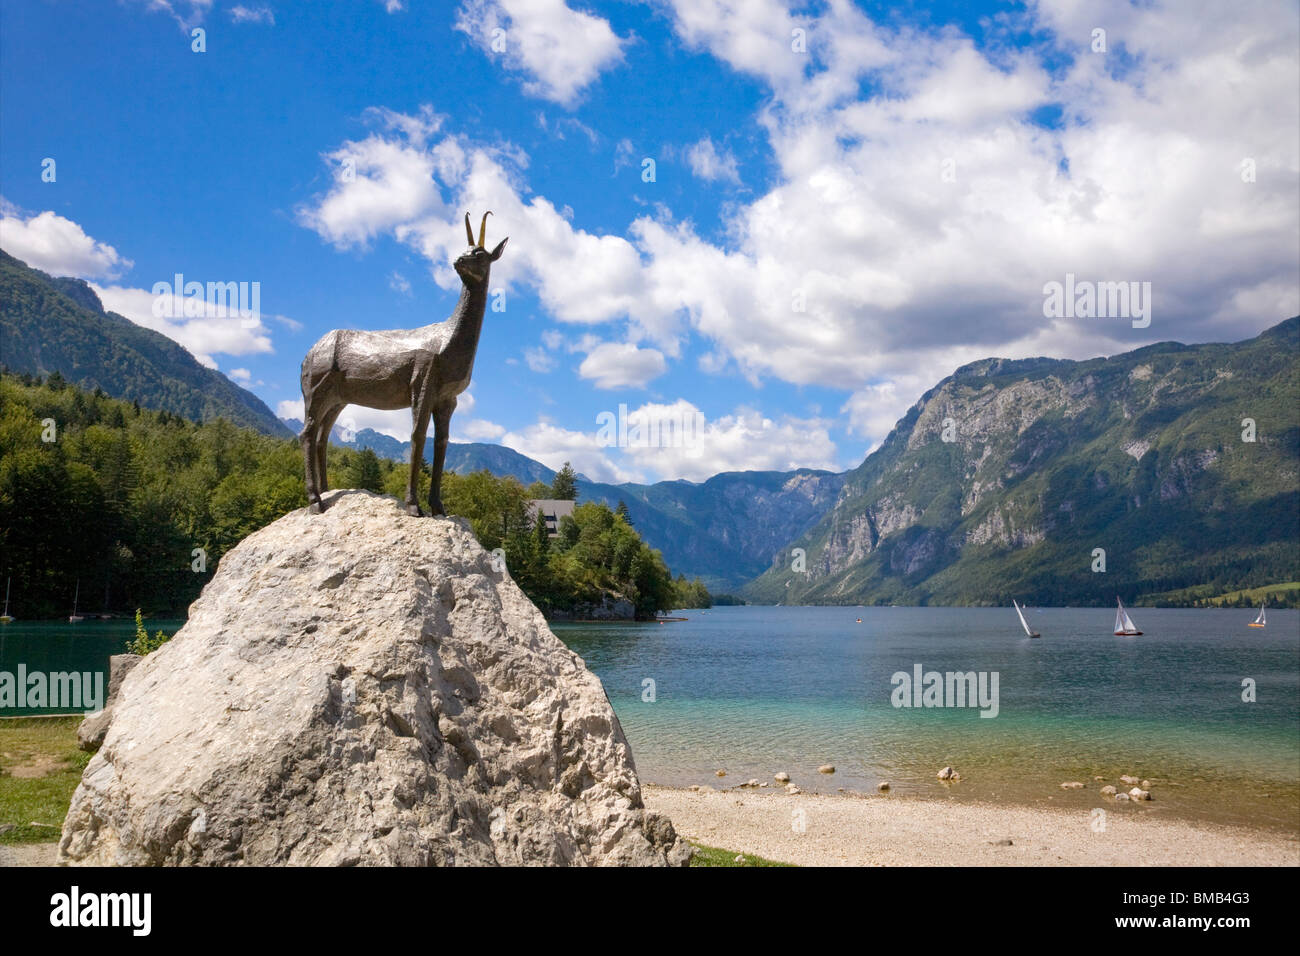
622,364
56,245
559,50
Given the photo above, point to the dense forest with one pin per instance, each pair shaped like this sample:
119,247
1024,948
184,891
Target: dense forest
138,506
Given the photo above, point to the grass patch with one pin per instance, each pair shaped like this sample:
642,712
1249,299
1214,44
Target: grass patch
713,856
1286,594
40,767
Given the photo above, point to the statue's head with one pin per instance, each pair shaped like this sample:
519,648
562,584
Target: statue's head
474,263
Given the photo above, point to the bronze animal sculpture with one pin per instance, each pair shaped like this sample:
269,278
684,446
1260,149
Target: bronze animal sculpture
423,369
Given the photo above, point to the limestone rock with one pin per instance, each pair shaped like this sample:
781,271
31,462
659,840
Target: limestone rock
883,786
793,790
947,773
1108,790
1072,785
1137,793
1131,781
1121,796
826,768
91,731
782,777
363,687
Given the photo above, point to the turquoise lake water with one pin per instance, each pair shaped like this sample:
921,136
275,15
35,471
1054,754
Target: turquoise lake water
757,690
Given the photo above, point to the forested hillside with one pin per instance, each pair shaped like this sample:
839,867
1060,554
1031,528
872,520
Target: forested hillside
140,505
58,325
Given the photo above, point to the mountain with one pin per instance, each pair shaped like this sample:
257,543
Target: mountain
59,325
1140,454
725,529
722,531
462,457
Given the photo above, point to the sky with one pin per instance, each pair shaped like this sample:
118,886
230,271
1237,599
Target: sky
779,224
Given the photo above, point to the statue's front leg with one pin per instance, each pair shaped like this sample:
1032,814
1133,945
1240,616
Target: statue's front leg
419,430
441,430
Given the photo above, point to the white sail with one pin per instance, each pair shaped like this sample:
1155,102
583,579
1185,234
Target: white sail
1261,620
1123,623
1023,622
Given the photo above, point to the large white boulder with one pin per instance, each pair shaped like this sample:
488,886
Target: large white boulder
363,687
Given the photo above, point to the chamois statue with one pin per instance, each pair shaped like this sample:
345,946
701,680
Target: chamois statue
423,369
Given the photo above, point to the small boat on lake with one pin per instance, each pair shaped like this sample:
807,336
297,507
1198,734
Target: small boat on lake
74,617
1260,621
1124,626
5,618
1023,623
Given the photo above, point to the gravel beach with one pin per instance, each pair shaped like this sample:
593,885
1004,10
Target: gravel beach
872,830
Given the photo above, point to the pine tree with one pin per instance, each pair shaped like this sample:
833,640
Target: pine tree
364,471
565,485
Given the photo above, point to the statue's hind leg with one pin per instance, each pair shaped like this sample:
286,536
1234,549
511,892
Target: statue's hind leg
308,441
322,446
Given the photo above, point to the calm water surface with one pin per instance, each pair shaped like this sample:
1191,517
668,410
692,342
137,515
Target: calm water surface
756,690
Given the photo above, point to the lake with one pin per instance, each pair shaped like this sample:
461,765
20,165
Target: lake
757,690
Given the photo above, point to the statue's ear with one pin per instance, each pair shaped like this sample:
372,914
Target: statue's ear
496,253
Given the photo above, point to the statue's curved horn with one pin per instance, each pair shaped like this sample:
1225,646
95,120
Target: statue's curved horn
469,230
482,229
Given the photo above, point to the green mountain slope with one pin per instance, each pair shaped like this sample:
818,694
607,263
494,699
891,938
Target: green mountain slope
58,325
1140,454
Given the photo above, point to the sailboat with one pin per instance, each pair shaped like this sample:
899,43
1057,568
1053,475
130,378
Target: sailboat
74,617
5,617
1124,626
1023,623
1258,622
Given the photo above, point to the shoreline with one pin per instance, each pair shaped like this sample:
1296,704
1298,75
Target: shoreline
863,829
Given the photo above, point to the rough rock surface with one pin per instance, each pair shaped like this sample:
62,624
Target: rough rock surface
91,731
361,687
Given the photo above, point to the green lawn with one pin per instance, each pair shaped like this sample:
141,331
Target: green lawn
1282,592
713,856
40,767
1286,594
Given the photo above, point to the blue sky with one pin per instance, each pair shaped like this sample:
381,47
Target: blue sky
848,201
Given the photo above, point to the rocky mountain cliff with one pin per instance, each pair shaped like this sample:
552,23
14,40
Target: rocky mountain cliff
1003,479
